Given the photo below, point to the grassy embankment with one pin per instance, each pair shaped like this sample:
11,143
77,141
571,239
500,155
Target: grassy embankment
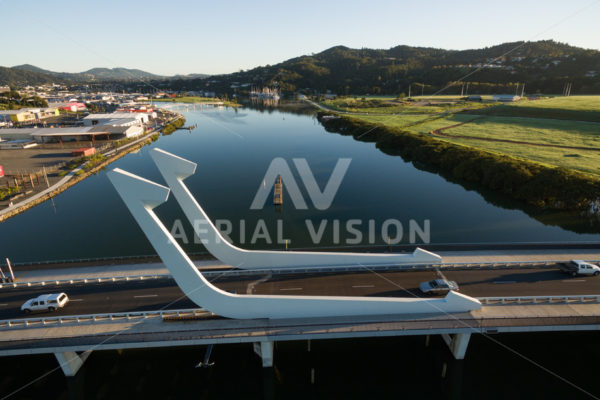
394,106
91,161
173,126
550,177
558,132
196,99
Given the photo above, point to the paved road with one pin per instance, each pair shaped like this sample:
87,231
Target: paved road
153,295
99,269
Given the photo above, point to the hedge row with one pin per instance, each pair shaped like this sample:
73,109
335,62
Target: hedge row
535,184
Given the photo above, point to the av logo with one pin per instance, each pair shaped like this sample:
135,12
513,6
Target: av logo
320,199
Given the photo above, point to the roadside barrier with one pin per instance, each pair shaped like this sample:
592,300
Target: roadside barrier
540,299
91,318
332,269
195,313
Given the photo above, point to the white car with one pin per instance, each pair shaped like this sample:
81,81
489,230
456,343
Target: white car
580,267
45,302
438,286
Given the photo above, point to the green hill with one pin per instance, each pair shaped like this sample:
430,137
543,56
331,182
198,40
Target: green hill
544,66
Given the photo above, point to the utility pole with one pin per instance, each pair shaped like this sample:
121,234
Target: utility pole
466,94
523,90
46,176
462,89
12,276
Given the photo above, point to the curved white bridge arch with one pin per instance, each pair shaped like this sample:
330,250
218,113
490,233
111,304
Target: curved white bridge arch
141,196
175,169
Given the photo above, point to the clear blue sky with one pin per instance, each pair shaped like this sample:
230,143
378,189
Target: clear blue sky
169,37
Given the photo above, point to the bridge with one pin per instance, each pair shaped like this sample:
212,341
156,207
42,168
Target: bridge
292,296
153,312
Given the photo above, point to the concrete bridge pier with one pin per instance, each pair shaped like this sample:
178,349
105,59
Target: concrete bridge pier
457,343
265,351
70,362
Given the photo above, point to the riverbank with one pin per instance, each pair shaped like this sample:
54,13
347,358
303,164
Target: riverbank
555,132
199,100
537,185
83,171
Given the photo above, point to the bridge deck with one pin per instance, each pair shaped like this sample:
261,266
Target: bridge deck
154,332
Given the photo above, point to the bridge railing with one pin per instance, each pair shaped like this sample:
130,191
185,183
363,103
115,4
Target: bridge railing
199,312
87,318
299,270
539,299
57,282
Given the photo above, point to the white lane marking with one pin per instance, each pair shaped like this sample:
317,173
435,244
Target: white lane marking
292,288
75,300
573,280
145,295
503,282
3,304
363,286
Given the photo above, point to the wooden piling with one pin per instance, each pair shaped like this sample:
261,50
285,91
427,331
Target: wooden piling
278,191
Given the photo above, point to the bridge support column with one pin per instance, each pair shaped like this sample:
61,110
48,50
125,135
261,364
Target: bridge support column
457,344
265,352
70,362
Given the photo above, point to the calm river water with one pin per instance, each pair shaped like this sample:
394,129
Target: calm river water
379,194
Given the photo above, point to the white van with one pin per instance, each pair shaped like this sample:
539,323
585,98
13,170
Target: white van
45,302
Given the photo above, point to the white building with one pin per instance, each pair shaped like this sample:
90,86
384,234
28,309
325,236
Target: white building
117,131
506,97
71,134
112,118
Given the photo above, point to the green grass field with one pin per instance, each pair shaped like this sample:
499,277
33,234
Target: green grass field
536,130
521,122
416,123
576,108
392,106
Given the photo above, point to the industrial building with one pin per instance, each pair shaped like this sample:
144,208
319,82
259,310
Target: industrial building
60,135
73,106
121,119
21,115
28,114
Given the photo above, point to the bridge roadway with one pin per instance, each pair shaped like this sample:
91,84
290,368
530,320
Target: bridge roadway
110,297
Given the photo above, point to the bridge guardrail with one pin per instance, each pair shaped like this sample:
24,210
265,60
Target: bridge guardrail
242,272
539,299
57,282
195,312
77,319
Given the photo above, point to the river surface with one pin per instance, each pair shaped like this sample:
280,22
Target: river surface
233,150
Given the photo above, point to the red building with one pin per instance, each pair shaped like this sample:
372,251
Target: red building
72,106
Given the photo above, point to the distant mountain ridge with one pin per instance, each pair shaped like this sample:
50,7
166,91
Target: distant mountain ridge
543,66
28,74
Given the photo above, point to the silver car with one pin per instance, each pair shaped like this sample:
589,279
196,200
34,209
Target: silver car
438,286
